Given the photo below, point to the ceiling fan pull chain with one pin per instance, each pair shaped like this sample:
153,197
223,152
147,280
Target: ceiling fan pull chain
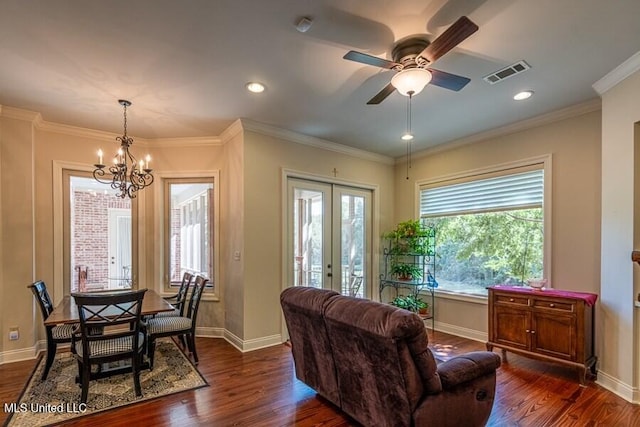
409,133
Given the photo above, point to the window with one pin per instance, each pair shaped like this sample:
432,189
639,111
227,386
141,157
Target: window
98,236
490,228
189,228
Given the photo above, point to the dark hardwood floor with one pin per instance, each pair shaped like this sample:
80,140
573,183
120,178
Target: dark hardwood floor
259,389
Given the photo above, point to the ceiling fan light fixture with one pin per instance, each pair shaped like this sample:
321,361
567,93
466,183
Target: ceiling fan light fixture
255,87
411,81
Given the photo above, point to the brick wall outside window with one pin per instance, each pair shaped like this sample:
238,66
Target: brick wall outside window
176,271
90,236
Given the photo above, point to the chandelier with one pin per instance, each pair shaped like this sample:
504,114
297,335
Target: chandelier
126,174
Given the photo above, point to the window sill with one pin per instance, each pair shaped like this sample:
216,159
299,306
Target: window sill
210,297
205,297
475,299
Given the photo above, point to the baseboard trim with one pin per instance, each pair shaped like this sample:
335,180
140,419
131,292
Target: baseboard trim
471,334
19,355
253,344
615,386
203,331
208,332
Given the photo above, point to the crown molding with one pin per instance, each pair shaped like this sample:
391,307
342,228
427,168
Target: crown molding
618,74
110,136
182,142
312,141
234,129
590,106
46,126
20,114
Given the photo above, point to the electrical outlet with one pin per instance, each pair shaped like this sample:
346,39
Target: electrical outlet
14,333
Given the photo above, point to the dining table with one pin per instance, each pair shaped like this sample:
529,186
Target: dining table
67,310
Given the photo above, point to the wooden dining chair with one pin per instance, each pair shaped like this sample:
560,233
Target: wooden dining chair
178,325
56,334
122,310
178,301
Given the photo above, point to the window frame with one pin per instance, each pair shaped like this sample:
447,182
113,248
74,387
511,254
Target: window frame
62,172
543,162
162,216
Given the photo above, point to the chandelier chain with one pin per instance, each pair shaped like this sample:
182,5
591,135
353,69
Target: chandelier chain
125,120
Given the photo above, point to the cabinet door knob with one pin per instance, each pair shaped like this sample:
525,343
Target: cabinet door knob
511,300
552,305
527,331
533,332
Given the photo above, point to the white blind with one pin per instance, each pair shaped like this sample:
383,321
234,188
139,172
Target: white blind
513,191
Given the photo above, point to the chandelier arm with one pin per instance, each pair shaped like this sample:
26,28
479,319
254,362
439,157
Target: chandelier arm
98,175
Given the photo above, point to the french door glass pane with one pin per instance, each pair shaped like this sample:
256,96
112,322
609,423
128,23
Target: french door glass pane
308,208
352,244
100,237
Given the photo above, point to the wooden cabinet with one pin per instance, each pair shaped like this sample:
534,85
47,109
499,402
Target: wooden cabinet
549,325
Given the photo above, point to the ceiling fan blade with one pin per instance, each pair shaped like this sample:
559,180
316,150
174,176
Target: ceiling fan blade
447,80
352,55
453,36
382,95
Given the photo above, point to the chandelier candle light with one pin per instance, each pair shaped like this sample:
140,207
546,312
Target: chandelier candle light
127,175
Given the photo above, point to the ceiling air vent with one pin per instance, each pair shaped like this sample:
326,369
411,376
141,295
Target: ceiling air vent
507,72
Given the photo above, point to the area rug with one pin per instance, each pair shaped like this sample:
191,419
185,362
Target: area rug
57,399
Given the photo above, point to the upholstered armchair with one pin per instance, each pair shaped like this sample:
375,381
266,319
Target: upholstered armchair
372,360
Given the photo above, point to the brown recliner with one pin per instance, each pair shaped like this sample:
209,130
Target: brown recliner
372,361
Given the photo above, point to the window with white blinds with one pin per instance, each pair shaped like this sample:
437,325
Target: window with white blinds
490,227
498,193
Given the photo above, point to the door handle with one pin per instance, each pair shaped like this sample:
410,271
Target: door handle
329,275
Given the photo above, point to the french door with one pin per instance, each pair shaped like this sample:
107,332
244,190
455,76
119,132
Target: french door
329,237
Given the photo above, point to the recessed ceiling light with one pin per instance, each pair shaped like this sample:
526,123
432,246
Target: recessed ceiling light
407,137
255,87
523,95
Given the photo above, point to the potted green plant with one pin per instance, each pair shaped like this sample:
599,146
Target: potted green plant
409,236
406,272
411,302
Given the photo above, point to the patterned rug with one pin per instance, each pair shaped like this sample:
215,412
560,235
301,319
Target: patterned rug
58,398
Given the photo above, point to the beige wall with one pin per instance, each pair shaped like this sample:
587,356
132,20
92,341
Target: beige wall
620,222
232,235
575,148
17,232
265,158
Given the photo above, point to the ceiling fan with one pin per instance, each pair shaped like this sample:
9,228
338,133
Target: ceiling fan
412,59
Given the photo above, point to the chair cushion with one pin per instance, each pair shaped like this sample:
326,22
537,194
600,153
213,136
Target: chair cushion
109,347
161,325
63,331
173,313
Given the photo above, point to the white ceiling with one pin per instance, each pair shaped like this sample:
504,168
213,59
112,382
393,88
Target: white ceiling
184,64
